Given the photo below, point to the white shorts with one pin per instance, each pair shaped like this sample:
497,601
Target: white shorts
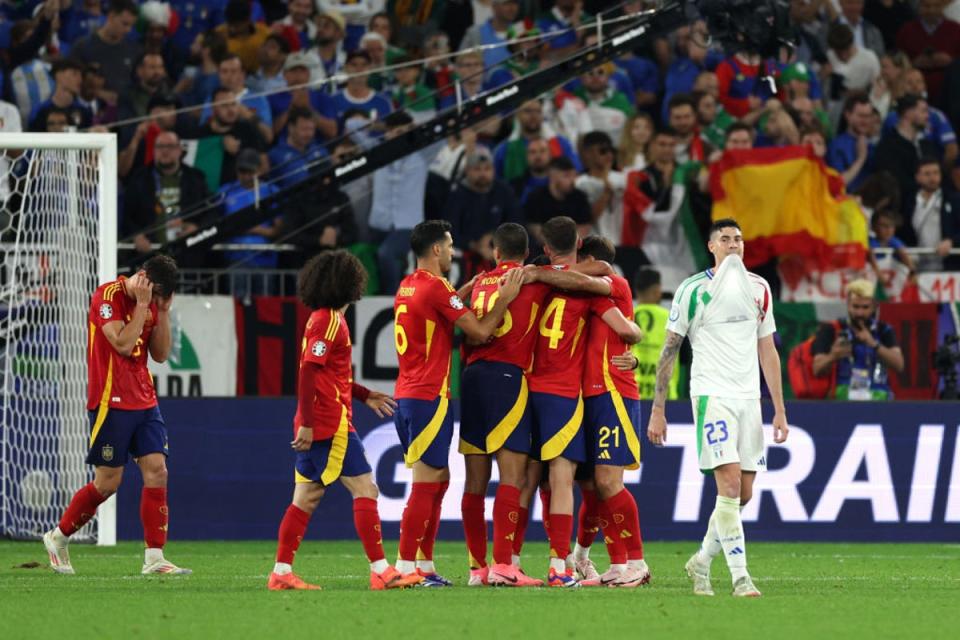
729,430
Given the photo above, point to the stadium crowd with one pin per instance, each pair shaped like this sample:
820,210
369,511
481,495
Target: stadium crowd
220,103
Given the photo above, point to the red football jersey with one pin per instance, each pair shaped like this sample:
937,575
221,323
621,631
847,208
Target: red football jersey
562,340
326,342
119,382
512,342
603,343
424,311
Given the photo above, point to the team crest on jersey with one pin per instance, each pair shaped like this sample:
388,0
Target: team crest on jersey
319,348
674,313
106,311
456,302
106,453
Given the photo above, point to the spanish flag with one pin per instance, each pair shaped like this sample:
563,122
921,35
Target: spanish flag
791,206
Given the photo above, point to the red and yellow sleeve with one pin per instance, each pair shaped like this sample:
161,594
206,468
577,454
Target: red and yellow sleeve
444,299
321,338
105,305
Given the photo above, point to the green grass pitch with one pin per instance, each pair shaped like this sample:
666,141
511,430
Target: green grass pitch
814,591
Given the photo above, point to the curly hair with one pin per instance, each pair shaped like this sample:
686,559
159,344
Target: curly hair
331,280
162,272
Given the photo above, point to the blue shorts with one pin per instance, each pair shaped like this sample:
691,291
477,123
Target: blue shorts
329,459
425,429
557,427
610,422
494,412
116,434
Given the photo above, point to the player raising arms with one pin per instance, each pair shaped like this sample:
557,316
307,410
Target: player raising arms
495,420
328,448
555,386
426,310
727,314
128,318
611,412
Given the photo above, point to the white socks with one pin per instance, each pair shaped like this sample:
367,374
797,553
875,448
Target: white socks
559,565
515,560
152,555
406,566
730,531
282,568
580,553
710,546
426,566
379,566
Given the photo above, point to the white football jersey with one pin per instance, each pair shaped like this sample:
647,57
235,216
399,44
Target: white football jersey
724,314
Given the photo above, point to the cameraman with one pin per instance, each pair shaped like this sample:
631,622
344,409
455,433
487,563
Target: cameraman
859,354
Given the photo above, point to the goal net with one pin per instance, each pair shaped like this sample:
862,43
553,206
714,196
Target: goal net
57,244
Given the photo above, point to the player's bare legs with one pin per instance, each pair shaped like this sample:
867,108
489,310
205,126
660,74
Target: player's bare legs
472,506
618,509
83,506
420,520
306,497
562,472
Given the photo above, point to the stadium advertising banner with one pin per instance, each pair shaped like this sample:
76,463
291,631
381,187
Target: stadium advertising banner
203,357
849,471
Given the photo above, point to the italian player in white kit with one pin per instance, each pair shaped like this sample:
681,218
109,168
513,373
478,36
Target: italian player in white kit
727,314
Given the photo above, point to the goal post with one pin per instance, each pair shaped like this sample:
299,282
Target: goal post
58,242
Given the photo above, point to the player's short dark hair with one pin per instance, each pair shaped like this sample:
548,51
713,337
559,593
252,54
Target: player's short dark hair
511,240
122,6
331,280
598,247
645,278
560,234
737,126
426,234
723,223
162,272
298,113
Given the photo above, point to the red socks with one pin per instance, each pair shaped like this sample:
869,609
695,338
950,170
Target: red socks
475,528
545,501
588,519
82,507
506,516
292,529
561,528
611,536
366,520
425,552
417,515
521,532
154,516
625,523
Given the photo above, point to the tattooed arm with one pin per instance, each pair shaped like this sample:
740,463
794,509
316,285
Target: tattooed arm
657,426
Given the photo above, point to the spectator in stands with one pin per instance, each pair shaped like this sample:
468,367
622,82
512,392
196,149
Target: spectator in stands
510,156
684,69
477,205
526,55
807,27
78,20
932,42
603,185
682,118
537,172
851,152
891,83
889,16
200,79
9,123
493,31
299,18
901,148
90,89
938,128
158,24
932,219
712,120
319,219
137,152
865,34
375,46
26,73
356,14
381,23
739,136
150,79
359,191
250,107
57,121
741,89
236,129
777,126
653,183
244,36
109,47
861,352
156,197
607,108
197,17
398,197
883,225
331,29
854,68
296,73
247,191
68,79
560,26
273,54
633,141
357,95
294,154
812,136
559,197
470,73
410,93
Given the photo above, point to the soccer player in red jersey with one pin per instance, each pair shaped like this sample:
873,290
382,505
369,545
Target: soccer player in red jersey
611,412
328,448
495,420
426,310
128,318
558,438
